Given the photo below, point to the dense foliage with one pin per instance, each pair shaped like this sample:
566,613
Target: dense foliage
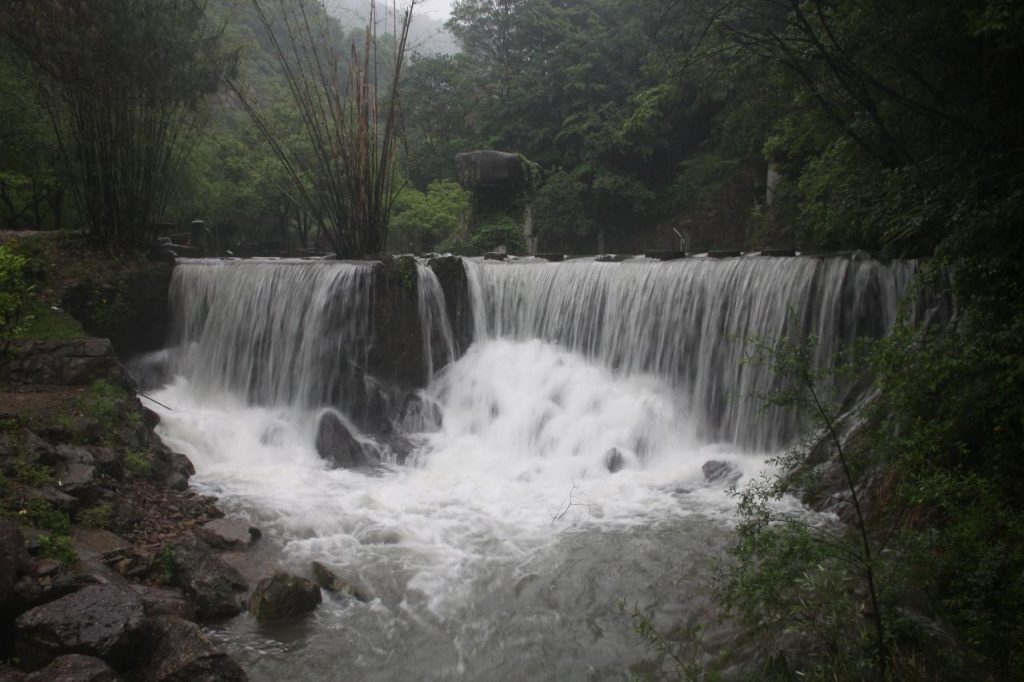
121,81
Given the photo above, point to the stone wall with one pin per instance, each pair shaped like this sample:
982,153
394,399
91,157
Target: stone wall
62,363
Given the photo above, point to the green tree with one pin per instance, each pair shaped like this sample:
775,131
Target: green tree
422,221
122,80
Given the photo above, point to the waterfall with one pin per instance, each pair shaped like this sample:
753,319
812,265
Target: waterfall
688,322
555,469
288,332
438,339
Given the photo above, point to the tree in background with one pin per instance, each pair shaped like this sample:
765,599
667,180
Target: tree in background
352,129
32,186
122,81
422,220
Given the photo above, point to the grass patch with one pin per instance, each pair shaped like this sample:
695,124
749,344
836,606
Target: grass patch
43,323
97,517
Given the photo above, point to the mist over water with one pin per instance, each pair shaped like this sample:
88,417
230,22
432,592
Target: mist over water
562,477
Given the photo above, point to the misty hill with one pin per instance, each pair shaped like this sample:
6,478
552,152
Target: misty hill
427,36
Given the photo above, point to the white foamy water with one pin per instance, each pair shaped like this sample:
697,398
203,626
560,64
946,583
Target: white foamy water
514,482
562,479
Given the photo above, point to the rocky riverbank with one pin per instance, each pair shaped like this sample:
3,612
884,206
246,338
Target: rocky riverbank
108,562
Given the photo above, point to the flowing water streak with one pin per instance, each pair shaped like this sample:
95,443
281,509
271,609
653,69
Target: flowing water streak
686,322
274,332
438,339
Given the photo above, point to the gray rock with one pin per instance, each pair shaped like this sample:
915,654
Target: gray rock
177,651
58,499
164,601
614,461
75,668
211,585
717,471
283,596
337,445
80,371
14,559
72,454
78,480
332,582
96,543
489,168
99,620
228,534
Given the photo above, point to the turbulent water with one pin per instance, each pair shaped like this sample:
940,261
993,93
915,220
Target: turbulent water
562,479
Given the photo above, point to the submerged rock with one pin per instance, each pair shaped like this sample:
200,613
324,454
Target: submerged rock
337,445
332,582
717,471
177,651
283,596
74,668
614,460
98,620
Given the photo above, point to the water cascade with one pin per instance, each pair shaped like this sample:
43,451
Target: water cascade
688,322
556,467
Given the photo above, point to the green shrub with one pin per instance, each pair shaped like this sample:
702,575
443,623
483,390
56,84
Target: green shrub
137,464
14,292
57,547
31,473
499,230
96,517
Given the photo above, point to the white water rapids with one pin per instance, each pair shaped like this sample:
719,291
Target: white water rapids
504,546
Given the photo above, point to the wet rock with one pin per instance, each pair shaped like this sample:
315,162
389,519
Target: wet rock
211,585
72,454
717,471
614,460
395,354
337,445
332,582
75,668
164,601
96,543
283,596
69,582
99,620
78,480
10,675
420,414
56,498
177,651
14,559
73,429
451,274
228,534
107,460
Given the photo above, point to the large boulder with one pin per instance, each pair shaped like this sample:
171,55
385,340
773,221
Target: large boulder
164,601
177,651
337,445
490,169
212,586
99,620
75,668
283,596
